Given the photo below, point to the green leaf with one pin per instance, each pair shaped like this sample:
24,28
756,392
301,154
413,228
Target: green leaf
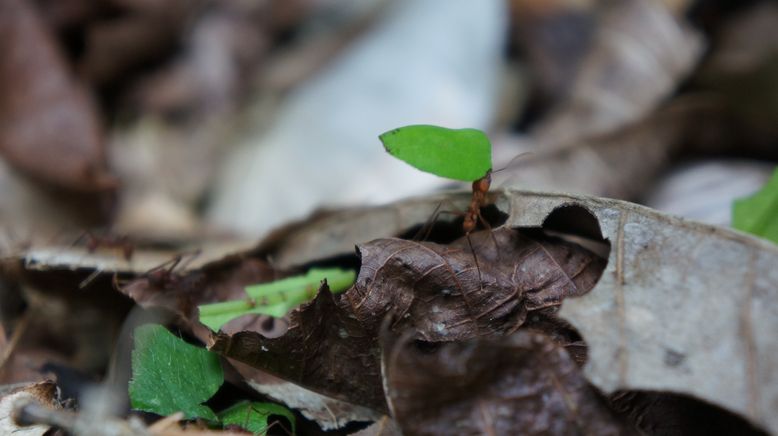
464,154
276,298
254,416
758,214
170,375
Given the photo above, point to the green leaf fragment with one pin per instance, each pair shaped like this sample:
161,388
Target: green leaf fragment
460,154
276,298
758,214
170,375
254,416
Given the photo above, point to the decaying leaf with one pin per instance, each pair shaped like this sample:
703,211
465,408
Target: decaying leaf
48,125
444,294
42,392
682,306
324,349
520,384
438,291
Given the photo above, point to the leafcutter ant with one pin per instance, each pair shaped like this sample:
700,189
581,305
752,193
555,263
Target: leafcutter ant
92,242
164,277
480,191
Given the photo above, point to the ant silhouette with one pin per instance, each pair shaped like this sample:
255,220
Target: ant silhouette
92,242
163,276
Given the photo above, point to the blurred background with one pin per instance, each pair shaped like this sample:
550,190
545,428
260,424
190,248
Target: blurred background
187,119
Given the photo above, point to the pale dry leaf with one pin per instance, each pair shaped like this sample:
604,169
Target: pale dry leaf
682,306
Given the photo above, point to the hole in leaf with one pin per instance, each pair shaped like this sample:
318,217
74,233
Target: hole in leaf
426,347
576,224
343,261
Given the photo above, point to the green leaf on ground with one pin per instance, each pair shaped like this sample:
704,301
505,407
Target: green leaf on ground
758,214
463,154
276,298
170,375
254,416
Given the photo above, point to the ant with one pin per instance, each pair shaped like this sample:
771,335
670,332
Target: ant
478,200
93,242
163,276
472,216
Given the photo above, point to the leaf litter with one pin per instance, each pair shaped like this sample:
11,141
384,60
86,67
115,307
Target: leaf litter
332,345
661,345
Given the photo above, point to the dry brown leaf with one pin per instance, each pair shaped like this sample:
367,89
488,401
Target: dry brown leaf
520,384
49,128
444,294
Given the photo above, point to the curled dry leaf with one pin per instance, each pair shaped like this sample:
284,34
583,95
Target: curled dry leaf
444,294
48,125
519,384
438,291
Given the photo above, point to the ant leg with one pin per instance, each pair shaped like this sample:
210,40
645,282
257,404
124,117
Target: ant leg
192,255
475,258
427,228
491,233
173,262
480,279
89,240
115,282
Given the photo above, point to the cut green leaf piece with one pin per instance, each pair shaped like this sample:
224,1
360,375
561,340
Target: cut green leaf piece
276,298
170,375
254,416
463,154
758,214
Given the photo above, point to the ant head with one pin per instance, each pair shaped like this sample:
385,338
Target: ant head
482,184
